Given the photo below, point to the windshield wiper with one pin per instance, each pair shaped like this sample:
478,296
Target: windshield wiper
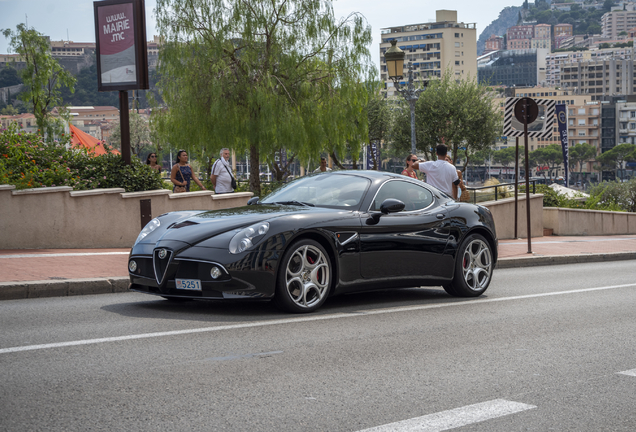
294,202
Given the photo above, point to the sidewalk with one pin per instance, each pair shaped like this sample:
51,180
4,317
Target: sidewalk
62,272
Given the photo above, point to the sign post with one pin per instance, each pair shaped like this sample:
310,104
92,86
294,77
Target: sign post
527,111
528,117
122,59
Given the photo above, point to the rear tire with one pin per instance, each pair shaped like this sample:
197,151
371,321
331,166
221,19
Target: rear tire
473,268
304,277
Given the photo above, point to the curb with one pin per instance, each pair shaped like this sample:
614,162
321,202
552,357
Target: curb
87,286
62,288
538,260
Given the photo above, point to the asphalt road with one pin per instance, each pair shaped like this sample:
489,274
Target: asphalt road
548,348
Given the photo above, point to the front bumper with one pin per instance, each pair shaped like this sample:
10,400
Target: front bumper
248,275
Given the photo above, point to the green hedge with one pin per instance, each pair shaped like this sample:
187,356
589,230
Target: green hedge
27,161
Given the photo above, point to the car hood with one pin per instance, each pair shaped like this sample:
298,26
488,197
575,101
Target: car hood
194,228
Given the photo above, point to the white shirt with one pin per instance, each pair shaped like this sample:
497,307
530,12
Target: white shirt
440,174
223,179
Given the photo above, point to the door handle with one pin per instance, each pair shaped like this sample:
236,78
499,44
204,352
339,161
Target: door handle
439,216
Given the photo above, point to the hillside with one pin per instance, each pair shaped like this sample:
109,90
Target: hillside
507,18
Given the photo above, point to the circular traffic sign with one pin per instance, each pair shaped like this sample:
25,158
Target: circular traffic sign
526,109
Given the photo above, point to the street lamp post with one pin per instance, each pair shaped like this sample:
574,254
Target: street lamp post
394,57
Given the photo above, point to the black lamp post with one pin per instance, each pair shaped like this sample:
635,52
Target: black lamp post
394,57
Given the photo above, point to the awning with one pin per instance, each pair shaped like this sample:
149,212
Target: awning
81,139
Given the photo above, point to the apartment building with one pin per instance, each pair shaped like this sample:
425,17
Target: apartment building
617,21
513,67
562,33
26,122
494,43
444,46
600,77
529,36
71,49
584,116
600,72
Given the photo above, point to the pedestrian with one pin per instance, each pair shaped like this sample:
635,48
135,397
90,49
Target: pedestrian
221,176
323,166
440,173
152,161
409,171
181,174
464,195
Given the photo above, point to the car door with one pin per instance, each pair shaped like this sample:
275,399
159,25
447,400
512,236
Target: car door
407,244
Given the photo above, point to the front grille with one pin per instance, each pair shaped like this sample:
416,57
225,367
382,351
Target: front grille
161,258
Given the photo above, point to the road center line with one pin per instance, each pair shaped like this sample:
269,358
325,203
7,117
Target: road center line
302,319
629,372
455,418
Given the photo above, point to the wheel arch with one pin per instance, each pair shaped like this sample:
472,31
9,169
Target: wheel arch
324,241
490,238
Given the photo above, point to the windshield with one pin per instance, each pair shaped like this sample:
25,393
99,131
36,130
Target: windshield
323,190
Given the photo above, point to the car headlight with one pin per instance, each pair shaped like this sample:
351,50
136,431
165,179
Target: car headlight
246,237
150,227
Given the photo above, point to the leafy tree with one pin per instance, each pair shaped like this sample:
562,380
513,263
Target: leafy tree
551,155
262,75
139,134
9,110
613,159
580,153
9,77
85,91
42,76
457,113
505,156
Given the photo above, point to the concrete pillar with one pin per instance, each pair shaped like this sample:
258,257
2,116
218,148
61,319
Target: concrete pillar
233,158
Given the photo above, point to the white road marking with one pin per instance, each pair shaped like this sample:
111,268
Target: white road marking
629,372
455,418
286,321
70,254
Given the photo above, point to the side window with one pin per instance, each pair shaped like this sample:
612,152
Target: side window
413,196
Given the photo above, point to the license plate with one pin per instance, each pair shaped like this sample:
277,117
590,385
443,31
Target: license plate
189,284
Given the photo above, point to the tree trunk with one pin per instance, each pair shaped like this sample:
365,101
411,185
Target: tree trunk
336,161
255,174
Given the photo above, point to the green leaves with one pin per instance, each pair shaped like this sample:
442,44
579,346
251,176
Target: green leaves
262,75
43,77
26,161
458,113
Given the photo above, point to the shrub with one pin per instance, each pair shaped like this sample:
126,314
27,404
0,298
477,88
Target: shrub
26,161
617,195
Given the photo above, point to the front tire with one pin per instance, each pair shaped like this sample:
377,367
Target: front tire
473,268
304,277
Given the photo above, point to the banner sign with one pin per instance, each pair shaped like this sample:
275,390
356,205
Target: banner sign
120,35
373,149
540,128
562,120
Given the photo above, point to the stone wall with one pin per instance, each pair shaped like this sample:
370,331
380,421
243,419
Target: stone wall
580,222
59,217
503,211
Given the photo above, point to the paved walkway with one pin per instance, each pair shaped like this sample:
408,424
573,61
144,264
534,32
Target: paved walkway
59,272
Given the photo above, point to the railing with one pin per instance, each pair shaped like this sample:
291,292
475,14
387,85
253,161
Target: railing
496,187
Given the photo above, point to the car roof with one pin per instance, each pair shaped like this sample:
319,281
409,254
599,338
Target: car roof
370,174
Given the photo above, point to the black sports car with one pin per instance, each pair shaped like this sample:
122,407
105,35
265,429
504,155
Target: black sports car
320,235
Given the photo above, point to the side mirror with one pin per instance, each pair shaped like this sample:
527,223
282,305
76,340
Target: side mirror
253,200
389,205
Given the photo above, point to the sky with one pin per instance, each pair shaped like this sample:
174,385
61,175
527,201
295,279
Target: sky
73,19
